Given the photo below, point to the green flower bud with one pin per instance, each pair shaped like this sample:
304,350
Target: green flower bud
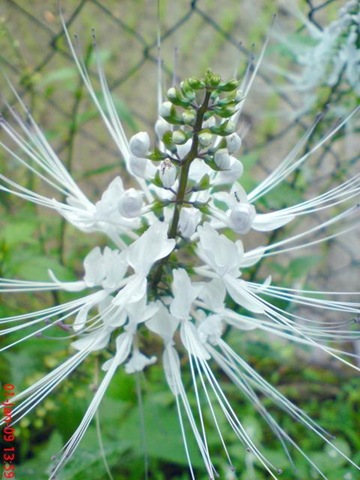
177,98
167,139
214,80
225,112
187,91
224,129
229,86
195,83
168,112
229,128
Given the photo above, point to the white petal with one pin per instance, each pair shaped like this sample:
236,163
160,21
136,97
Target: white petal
270,221
163,324
238,291
184,294
150,247
172,369
133,291
191,340
138,362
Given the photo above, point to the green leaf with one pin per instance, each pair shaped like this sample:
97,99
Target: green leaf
16,232
164,439
61,75
36,267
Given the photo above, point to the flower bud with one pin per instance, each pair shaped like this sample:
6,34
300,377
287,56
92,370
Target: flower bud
229,86
184,149
242,217
229,128
209,122
188,221
205,139
222,159
187,90
230,175
195,83
167,173
188,117
233,142
179,137
166,109
139,144
141,167
161,126
177,98
138,166
130,203
214,79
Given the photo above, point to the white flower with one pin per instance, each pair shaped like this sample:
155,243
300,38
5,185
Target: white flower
130,203
241,217
189,220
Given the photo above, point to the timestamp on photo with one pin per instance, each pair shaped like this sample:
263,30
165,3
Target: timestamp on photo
8,453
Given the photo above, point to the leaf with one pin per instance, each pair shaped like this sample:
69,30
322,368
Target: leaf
164,439
35,267
330,459
15,232
60,75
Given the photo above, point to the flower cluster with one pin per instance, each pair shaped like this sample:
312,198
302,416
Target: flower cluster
330,54
175,268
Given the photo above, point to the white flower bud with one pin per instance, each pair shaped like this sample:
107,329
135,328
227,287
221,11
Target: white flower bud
205,139
188,221
222,159
171,93
230,128
130,203
188,117
141,167
230,175
139,144
242,217
161,127
184,149
167,173
165,109
233,142
179,137
138,166
210,122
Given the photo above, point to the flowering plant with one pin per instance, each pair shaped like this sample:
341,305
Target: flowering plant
174,269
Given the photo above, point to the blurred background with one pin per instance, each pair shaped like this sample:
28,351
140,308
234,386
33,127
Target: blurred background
224,35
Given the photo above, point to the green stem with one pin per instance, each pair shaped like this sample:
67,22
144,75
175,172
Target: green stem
184,175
